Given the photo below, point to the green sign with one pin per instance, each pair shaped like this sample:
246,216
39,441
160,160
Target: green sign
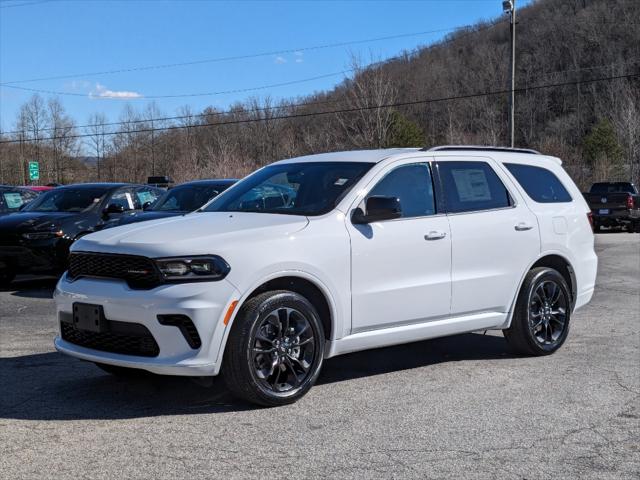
34,171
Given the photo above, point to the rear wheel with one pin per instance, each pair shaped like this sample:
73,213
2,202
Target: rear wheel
540,322
275,349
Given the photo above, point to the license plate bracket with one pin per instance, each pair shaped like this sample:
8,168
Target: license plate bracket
603,211
89,317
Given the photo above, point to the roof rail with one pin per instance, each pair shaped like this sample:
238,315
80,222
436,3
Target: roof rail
475,148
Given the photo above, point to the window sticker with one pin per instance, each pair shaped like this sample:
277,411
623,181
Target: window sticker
13,200
145,196
472,185
341,181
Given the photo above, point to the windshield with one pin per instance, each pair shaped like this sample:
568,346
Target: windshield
312,188
613,188
187,198
72,200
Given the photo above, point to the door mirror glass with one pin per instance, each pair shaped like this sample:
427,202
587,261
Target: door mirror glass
146,205
378,208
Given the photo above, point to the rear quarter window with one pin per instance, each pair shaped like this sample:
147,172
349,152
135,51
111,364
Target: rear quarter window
540,184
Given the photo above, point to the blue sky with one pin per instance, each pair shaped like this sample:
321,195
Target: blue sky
45,38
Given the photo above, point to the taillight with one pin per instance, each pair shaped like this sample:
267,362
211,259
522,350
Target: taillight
630,202
590,218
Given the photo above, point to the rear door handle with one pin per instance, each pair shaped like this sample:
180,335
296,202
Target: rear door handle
522,227
435,235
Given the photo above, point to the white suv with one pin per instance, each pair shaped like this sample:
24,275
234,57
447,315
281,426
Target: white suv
317,256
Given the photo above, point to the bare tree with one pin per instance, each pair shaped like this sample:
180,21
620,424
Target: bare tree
97,131
367,93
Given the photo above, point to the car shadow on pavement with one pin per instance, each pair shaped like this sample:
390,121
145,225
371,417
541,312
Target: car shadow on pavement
38,287
50,386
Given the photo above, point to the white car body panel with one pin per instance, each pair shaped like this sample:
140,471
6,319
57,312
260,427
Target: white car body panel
384,282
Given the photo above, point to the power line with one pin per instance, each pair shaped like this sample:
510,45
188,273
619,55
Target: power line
286,104
347,110
182,95
235,57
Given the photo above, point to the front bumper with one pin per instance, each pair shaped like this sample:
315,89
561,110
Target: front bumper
204,303
38,256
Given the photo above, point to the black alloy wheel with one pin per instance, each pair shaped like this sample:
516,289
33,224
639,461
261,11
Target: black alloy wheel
275,349
540,322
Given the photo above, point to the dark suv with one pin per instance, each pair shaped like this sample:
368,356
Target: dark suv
37,238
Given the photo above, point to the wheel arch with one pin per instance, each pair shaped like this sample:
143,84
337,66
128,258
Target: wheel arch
558,262
300,282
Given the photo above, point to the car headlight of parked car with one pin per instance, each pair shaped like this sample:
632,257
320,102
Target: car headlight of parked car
193,268
43,235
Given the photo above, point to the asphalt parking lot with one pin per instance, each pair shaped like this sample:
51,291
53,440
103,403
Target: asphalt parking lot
459,407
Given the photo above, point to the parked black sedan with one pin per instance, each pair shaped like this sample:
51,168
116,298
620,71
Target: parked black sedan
181,199
13,198
37,239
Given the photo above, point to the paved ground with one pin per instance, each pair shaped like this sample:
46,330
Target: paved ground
461,407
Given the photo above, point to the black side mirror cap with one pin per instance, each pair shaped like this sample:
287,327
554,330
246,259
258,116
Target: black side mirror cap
113,208
378,209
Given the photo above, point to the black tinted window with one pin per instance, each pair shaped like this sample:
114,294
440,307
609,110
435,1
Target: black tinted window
412,185
618,187
472,186
539,183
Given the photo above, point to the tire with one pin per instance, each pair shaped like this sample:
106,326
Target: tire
275,333
597,228
540,322
123,372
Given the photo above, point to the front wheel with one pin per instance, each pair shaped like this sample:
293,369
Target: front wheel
275,349
540,322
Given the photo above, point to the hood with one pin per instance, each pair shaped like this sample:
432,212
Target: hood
28,221
199,233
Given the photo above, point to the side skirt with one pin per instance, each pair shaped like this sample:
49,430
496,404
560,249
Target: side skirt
386,337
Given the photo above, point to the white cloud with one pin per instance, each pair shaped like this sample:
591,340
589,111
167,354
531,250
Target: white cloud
299,57
280,60
103,92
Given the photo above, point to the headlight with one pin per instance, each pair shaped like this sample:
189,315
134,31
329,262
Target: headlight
210,267
42,235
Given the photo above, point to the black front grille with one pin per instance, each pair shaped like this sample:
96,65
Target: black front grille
122,337
138,272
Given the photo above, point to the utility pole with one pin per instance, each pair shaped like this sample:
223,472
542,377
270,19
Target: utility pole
509,7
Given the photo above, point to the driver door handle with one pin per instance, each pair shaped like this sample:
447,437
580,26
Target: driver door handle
435,235
522,227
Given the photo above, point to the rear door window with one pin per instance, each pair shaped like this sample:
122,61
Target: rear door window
540,184
472,186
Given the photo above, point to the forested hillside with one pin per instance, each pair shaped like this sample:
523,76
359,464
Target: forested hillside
452,92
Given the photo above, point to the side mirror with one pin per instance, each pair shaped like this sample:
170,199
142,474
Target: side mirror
146,205
378,209
112,208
